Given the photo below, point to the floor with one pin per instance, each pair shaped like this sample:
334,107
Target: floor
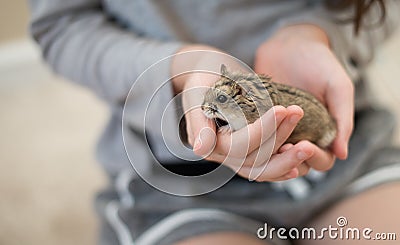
48,175
48,129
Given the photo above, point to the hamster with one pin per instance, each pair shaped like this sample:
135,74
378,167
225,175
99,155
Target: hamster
239,99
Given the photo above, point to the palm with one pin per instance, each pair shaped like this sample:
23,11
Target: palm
309,64
300,69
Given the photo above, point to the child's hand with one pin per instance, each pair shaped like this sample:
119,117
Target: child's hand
300,56
246,151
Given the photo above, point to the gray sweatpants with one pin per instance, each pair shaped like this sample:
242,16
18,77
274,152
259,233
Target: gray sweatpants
133,212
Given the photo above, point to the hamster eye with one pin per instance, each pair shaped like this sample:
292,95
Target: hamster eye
222,98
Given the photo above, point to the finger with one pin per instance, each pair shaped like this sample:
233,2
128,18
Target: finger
290,175
303,169
203,130
255,159
321,160
285,147
294,114
285,129
294,173
248,139
340,101
278,165
258,157
216,157
261,155
233,162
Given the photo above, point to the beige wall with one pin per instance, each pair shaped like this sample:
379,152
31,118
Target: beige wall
14,17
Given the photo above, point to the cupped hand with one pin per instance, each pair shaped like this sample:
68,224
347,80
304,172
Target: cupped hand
300,56
258,152
247,151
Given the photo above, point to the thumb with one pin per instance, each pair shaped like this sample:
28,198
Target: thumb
204,132
341,104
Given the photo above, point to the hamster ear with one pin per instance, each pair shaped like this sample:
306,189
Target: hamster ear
224,70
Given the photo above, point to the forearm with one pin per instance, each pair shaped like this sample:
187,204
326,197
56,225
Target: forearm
80,43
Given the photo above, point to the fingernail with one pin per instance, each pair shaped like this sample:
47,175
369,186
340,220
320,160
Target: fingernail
294,119
197,143
301,155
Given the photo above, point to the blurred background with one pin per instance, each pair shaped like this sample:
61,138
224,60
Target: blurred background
48,132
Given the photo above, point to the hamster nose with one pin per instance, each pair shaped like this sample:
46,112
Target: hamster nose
213,107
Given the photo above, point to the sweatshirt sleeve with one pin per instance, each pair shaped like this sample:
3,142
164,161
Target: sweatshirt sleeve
80,42
353,51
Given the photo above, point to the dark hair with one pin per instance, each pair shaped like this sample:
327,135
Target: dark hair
361,7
